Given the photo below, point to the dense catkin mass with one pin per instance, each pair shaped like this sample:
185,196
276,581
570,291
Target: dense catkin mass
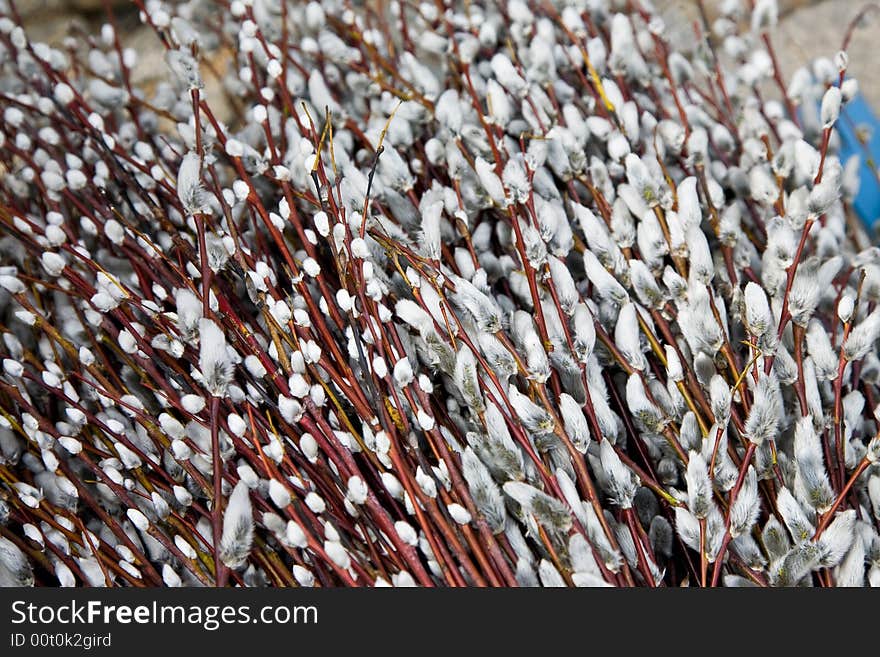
405,293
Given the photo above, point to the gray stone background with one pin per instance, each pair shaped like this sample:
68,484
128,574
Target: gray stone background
807,29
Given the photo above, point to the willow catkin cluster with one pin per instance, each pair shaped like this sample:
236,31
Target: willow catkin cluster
438,294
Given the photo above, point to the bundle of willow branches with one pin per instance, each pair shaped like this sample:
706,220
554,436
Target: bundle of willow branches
451,293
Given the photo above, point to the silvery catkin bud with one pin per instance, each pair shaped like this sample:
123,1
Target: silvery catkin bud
830,109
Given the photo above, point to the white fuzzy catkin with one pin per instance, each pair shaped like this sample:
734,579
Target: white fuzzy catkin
764,416
15,570
238,527
622,482
699,487
547,510
830,110
189,186
576,426
490,181
485,492
431,230
758,318
535,418
213,358
628,338
862,337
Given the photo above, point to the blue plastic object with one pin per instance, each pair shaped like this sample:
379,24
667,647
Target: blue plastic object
858,118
